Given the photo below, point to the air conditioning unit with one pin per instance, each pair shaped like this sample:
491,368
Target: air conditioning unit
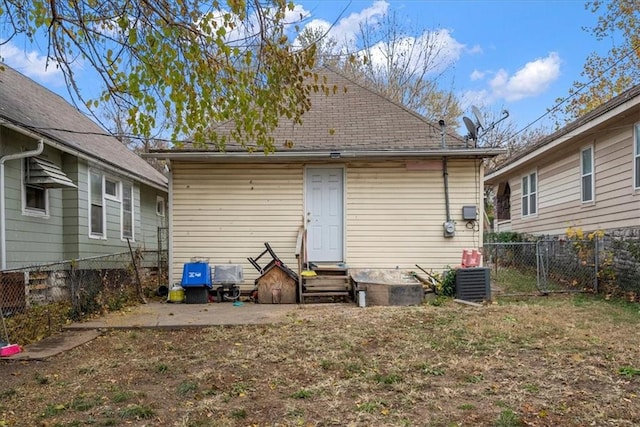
473,284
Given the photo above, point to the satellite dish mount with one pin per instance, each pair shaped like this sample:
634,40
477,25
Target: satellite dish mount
474,127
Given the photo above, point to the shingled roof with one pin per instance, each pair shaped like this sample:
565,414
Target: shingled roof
354,118
26,104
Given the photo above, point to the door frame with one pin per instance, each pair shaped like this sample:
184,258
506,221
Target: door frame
344,201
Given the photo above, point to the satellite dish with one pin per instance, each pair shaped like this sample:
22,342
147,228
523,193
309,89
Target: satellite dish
471,127
479,118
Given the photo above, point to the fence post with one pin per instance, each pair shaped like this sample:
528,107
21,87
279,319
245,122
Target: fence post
538,264
596,262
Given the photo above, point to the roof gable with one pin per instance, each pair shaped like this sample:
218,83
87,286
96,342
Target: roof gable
354,118
26,104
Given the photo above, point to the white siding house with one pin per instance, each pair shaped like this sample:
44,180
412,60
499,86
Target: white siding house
364,178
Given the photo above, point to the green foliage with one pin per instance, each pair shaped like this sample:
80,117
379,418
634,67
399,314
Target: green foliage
187,387
387,378
52,410
368,407
122,396
508,418
41,379
629,371
447,285
239,414
84,402
430,370
508,237
302,394
192,63
138,412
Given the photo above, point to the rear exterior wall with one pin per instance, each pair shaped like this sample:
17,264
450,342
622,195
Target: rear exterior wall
224,213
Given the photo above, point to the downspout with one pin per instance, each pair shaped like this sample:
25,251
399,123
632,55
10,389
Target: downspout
3,230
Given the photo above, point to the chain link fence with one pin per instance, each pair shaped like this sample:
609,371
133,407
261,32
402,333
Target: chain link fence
37,301
542,266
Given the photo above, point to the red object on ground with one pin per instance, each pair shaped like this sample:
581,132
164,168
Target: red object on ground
9,350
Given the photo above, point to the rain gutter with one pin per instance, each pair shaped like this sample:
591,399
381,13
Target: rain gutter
246,157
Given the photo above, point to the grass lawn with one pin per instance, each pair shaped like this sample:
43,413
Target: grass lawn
562,360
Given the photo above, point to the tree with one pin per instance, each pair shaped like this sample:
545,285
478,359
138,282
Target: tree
605,76
114,121
393,60
194,61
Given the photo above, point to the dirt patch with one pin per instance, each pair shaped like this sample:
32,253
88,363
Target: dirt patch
568,361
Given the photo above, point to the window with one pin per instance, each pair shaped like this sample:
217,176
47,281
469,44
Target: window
160,206
35,198
96,206
111,189
127,210
586,171
636,157
529,195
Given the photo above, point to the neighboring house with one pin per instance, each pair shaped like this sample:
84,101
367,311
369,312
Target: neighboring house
585,175
68,190
369,180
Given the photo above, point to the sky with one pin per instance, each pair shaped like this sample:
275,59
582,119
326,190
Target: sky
514,55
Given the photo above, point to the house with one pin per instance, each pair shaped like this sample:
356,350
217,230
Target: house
370,183
68,190
586,175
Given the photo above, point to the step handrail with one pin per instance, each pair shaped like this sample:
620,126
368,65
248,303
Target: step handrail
300,253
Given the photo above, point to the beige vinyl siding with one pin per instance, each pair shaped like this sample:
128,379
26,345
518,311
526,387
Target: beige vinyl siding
225,213
393,217
30,239
616,203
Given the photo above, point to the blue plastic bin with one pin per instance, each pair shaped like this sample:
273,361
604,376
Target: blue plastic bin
196,274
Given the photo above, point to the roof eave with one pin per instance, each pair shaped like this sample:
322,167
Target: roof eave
345,155
561,138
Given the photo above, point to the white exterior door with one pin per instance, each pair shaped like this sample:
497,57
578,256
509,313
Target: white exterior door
324,211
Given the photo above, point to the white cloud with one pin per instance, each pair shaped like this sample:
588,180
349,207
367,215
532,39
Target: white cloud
474,50
295,16
474,97
346,29
477,75
438,50
531,80
32,64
